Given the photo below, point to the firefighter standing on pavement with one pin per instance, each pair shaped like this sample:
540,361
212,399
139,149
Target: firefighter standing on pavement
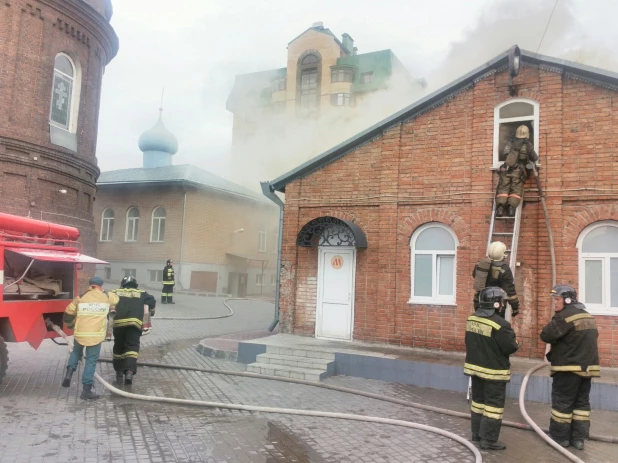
87,316
494,271
490,341
128,323
168,283
513,173
574,358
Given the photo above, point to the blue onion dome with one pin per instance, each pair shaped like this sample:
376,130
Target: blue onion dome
158,139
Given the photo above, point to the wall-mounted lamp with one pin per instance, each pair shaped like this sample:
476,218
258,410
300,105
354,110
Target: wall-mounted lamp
514,67
62,191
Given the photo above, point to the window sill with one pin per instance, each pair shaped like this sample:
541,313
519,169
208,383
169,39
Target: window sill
130,241
105,241
156,242
603,312
446,303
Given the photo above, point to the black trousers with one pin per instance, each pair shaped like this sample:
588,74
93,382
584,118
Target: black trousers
570,406
487,408
126,348
167,293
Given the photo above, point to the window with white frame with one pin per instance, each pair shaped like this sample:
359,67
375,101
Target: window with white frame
156,276
157,233
273,279
507,117
107,224
262,238
598,267
258,279
62,104
433,265
132,224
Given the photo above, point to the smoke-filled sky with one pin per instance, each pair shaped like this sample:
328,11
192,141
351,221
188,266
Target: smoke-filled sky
194,48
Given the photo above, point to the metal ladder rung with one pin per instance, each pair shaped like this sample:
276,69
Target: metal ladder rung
502,234
504,218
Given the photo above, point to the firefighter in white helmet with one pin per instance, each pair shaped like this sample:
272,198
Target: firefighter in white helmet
493,270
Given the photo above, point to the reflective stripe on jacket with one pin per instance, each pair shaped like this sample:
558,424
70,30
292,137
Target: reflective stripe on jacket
130,307
168,275
87,316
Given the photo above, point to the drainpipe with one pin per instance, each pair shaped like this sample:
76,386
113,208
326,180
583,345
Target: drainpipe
270,194
182,237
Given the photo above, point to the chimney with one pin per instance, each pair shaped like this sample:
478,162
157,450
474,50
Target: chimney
318,25
348,43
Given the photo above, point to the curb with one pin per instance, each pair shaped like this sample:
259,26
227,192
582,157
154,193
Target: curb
212,352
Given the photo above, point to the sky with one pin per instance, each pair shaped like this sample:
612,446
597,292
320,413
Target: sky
194,48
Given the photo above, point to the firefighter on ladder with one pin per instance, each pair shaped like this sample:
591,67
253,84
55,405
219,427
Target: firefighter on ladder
574,357
490,341
493,270
128,324
168,283
513,173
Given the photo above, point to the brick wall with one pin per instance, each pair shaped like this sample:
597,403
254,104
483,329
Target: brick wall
437,168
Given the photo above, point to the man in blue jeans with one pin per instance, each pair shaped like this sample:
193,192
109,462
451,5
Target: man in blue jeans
87,316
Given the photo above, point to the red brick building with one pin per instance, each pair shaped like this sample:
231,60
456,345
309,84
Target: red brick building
52,57
416,192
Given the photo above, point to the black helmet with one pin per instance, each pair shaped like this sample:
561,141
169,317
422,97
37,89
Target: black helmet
567,292
491,298
128,282
169,261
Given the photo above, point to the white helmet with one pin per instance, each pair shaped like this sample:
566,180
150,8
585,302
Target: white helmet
522,132
496,251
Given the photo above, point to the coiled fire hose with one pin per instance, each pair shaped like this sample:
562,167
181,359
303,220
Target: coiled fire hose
286,411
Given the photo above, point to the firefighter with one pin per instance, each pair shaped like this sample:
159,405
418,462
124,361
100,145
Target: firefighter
490,341
168,283
513,173
87,316
574,357
493,270
128,323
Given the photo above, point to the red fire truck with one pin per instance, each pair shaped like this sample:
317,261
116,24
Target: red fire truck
39,264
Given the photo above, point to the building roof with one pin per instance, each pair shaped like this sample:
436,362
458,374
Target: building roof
184,174
248,88
380,63
324,30
590,74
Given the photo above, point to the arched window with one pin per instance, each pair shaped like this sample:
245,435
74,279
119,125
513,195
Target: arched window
433,265
107,224
507,117
132,224
598,267
157,234
62,111
262,238
308,82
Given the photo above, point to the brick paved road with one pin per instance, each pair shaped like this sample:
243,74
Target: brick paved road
44,422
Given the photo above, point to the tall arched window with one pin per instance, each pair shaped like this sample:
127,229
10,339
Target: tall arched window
308,82
157,233
132,224
510,115
107,224
598,267
433,267
61,113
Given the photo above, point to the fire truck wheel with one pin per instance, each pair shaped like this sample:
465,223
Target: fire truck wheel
4,358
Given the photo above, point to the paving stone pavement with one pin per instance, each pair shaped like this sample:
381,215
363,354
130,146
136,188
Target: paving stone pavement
42,421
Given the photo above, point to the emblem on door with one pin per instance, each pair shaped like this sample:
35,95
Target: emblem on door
336,262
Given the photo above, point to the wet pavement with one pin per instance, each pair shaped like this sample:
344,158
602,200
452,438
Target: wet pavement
43,422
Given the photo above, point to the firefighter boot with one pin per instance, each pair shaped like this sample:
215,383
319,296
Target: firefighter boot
499,210
89,393
511,211
169,300
119,378
66,382
128,377
578,443
486,445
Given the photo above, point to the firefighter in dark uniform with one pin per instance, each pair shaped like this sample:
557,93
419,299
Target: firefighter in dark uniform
128,322
574,357
495,271
168,283
490,341
513,173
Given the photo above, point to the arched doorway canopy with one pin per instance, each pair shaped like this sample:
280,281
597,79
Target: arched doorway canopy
330,231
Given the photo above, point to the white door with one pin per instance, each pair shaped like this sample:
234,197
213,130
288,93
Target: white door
334,316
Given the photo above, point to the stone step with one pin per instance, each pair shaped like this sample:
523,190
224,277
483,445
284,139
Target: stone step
287,371
309,353
293,361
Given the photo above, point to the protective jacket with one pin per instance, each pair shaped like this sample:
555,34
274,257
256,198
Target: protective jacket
87,316
490,341
573,335
168,275
130,308
518,153
500,275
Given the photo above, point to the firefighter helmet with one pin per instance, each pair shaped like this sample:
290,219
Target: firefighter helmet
567,292
128,282
491,298
169,261
522,132
496,251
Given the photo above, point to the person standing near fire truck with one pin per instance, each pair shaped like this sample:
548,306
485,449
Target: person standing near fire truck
490,341
87,316
128,324
574,358
168,283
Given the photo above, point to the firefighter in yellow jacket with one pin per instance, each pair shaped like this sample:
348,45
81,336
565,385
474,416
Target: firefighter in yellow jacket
87,315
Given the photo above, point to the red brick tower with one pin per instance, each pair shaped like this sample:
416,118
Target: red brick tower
52,57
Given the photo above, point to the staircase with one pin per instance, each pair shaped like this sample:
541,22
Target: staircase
311,365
